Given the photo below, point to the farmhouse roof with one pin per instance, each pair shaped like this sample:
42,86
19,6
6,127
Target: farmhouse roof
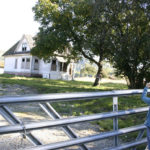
12,50
30,41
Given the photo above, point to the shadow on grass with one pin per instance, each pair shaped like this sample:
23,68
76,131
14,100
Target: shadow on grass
77,108
58,86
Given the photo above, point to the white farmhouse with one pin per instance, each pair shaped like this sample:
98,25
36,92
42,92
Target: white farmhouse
19,61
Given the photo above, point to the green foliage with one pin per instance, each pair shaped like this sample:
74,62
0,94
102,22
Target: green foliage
116,30
88,70
108,70
71,29
105,73
131,41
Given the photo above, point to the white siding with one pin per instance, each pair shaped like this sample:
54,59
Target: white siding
32,65
44,68
10,64
19,48
28,67
45,71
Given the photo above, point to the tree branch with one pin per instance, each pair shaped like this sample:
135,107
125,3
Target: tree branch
90,58
80,47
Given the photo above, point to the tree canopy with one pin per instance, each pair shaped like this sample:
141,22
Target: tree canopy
131,41
116,30
71,29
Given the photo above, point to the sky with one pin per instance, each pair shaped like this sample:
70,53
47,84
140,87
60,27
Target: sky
16,19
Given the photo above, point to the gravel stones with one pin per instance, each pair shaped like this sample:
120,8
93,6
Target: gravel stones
24,113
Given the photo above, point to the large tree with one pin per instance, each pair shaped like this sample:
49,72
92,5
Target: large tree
131,41
72,29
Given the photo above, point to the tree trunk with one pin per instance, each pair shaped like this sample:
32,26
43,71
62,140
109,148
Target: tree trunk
140,81
132,82
98,75
136,82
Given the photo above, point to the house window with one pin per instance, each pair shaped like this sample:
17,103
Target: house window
70,70
25,63
53,66
61,66
24,47
65,67
36,64
16,63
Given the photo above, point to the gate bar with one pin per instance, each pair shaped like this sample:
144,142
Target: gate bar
87,139
128,145
54,115
67,121
13,120
139,137
67,96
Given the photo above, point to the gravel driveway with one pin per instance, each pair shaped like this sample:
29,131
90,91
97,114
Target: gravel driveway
16,142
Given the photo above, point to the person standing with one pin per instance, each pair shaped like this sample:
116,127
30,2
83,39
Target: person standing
147,122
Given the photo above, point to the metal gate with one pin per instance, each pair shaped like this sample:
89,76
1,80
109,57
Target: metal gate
45,100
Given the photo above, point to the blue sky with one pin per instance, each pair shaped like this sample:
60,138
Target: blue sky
16,19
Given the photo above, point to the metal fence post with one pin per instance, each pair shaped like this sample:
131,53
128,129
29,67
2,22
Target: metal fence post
18,126
115,120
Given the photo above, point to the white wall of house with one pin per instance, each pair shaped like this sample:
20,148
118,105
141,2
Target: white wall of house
14,64
9,63
44,68
19,48
35,65
27,64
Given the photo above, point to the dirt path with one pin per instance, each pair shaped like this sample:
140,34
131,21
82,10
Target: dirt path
103,80
16,142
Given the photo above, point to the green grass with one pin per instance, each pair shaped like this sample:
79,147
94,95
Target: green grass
57,86
78,108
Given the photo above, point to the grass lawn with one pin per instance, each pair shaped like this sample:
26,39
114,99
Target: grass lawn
84,107
58,86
